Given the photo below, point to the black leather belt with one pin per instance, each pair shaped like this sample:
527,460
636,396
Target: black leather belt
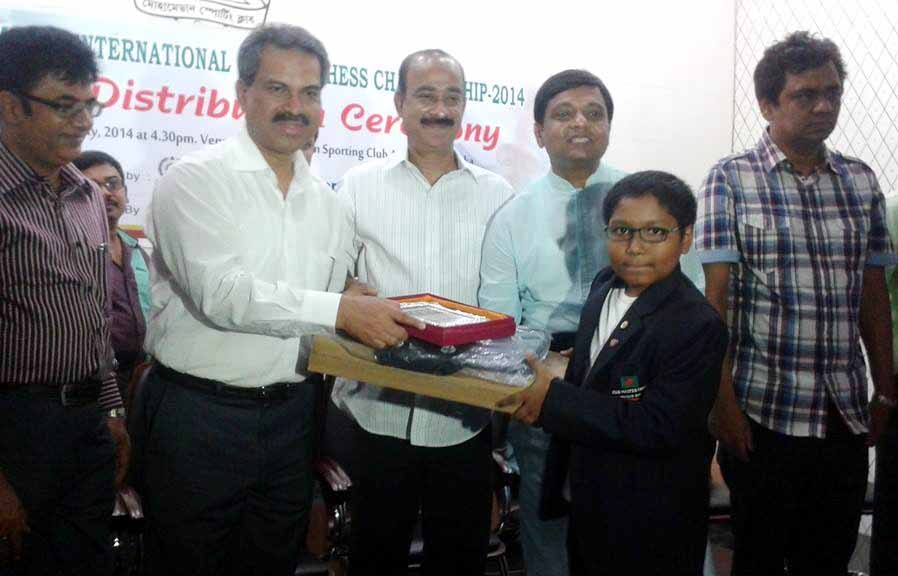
270,393
81,393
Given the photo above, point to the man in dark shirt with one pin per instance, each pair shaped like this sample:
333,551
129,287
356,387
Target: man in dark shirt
59,406
128,275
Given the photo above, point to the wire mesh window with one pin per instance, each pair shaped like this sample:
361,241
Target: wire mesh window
866,32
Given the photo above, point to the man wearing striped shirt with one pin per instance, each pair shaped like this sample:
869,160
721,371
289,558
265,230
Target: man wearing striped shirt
794,242
419,220
58,397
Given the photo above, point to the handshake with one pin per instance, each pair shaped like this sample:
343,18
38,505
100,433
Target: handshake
371,320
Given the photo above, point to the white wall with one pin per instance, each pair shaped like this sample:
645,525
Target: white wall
668,65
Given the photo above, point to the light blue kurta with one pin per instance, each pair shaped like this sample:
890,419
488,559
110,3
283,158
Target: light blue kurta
545,247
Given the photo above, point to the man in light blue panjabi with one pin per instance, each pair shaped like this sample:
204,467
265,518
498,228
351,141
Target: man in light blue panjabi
540,256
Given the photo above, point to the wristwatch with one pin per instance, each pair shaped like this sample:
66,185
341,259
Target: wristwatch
116,413
884,400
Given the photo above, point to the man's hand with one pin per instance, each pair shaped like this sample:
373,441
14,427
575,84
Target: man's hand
374,321
122,449
354,287
730,426
531,399
13,522
879,420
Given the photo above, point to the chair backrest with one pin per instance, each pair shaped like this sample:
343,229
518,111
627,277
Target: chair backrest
138,376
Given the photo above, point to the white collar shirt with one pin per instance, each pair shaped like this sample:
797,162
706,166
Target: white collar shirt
243,271
412,237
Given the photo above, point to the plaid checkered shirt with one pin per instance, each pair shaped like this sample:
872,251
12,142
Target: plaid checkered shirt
799,246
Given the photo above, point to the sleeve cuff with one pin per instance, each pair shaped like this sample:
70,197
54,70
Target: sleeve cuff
550,418
882,259
110,398
717,255
320,308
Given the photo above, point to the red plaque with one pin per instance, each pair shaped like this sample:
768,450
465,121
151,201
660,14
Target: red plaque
451,323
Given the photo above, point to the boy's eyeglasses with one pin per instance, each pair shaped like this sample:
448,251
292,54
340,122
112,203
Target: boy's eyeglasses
648,234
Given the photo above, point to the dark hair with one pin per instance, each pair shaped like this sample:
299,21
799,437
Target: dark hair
407,61
798,53
284,37
31,53
93,158
568,80
674,195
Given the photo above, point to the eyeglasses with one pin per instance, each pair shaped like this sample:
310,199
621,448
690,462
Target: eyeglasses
67,110
112,184
648,234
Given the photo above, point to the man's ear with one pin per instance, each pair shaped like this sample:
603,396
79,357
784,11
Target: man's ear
686,239
398,101
767,108
240,88
12,110
538,133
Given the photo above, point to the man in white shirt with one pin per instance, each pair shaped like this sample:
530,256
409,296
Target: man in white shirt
252,252
541,255
419,220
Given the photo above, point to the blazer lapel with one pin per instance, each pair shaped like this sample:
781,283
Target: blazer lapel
589,319
631,324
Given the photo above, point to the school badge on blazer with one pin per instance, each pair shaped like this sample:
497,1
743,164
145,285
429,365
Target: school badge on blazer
629,389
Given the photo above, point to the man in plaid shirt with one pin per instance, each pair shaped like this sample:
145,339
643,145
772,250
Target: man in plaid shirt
793,241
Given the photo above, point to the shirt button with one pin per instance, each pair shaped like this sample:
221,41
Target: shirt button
624,324
613,342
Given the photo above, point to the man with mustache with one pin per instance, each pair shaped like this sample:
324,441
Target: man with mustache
793,238
419,219
58,397
251,253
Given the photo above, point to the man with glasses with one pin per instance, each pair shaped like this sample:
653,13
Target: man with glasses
540,256
60,408
128,274
793,238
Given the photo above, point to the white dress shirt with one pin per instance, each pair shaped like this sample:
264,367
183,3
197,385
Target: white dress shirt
615,307
242,271
413,237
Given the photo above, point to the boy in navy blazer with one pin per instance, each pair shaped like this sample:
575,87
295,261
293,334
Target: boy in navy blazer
630,451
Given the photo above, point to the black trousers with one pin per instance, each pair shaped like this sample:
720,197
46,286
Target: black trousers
450,485
797,501
227,481
61,463
884,545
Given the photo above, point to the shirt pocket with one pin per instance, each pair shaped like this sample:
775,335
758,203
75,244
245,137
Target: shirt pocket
841,245
768,243
321,272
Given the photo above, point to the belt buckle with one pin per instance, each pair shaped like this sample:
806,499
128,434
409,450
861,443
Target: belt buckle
62,394
272,393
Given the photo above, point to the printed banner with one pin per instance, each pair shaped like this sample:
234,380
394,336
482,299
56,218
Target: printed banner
171,89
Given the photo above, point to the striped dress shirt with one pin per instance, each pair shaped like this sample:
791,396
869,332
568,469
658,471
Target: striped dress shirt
799,246
53,315
413,237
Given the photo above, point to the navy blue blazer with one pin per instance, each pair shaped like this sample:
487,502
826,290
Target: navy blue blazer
631,431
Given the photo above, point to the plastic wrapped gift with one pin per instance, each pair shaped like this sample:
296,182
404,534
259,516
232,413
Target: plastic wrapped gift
479,374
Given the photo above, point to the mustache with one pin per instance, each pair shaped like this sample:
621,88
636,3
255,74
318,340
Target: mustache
287,117
445,122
